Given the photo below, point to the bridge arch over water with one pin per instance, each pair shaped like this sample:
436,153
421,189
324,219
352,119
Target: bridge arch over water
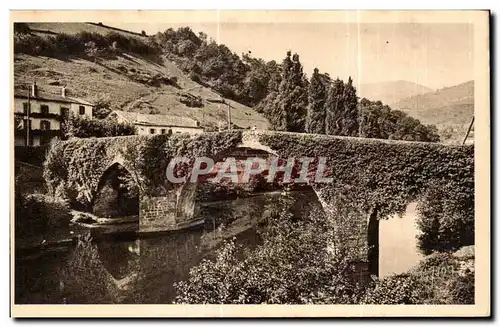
378,177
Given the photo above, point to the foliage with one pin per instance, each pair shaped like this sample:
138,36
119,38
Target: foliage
34,155
439,279
77,126
73,168
288,110
386,175
293,265
446,223
37,214
379,121
316,115
102,105
21,28
88,44
342,117
243,79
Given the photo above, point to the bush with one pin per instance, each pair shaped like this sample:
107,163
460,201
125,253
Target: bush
34,155
400,289
37,214
82,43
76,126
446,223
438,279
293,265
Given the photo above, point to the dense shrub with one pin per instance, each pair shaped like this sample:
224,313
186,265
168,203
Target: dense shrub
380,121
438,279
82,43
76,126
446,222
399,289
34,155
36,214
293,265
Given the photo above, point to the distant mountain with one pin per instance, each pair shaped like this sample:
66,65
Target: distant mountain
450,108
454,104
391,92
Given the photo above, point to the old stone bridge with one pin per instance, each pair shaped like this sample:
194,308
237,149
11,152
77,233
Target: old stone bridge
377,178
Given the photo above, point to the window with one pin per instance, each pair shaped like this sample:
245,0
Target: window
25,108
151,131
64,112
163,131
82,110
45,125
44,109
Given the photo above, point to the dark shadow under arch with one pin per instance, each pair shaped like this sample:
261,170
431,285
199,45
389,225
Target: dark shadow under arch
115,196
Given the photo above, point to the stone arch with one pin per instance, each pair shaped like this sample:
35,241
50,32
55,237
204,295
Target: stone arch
187,206
113,197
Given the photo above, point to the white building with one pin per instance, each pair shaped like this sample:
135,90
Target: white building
45,112
147,124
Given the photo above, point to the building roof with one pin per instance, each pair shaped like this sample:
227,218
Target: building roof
158,120
18,93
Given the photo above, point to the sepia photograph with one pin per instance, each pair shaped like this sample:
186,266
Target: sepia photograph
257,163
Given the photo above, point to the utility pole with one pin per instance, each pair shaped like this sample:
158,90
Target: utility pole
229,115
468,131
28,125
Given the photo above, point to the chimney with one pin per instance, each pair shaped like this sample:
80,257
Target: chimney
63,91
34,90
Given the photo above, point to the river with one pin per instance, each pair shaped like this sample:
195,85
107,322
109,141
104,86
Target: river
126,268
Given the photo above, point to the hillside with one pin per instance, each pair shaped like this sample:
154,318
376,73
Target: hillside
450,109
391,92
453,104
128,82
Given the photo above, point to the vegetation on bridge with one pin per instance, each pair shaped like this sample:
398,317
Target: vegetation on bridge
379,177
383,177
73,168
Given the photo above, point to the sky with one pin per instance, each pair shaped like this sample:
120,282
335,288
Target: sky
433,55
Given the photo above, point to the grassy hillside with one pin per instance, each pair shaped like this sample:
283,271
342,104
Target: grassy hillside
128,82
450,109
391,92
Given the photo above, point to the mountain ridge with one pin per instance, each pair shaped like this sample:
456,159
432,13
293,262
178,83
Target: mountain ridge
390,92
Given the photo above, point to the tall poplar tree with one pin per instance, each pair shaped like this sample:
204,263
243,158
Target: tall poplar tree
334,108
316,113
350,116
288,109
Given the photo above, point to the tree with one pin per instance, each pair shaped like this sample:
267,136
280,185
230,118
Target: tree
334,108
92,51
293,265
289,109
316,115
380,121
350,116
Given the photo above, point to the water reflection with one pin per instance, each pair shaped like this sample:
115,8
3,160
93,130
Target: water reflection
117,270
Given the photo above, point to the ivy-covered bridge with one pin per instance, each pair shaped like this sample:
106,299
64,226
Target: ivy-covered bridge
378,178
